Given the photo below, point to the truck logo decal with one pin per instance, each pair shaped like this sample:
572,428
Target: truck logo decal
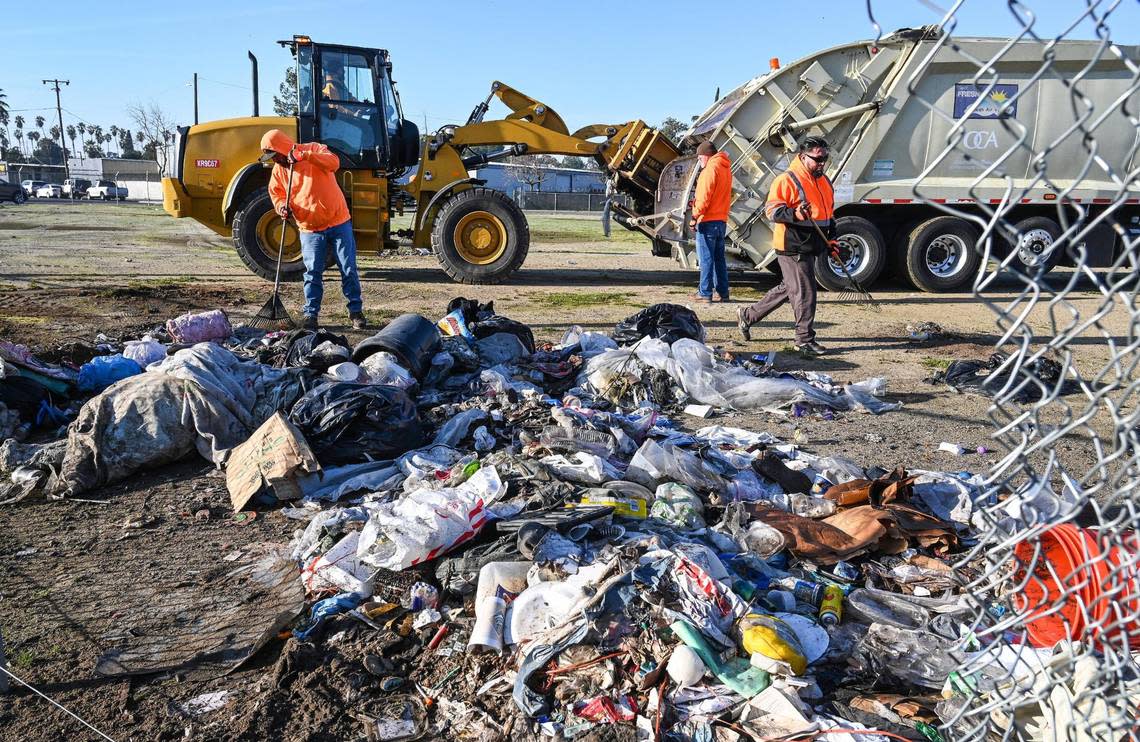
207,163
966,94
980,140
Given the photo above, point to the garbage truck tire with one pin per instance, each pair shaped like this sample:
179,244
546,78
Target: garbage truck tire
257,235
942,254
862,249
480,236
1036,246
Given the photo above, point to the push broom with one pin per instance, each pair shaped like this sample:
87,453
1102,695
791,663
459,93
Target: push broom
856,294
273,315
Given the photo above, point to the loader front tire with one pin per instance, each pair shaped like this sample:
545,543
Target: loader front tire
480,236
257,234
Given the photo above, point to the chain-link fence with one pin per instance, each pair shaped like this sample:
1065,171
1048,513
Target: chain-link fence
1053,578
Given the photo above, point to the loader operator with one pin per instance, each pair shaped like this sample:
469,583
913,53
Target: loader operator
348,124
710,215
800,195
317,204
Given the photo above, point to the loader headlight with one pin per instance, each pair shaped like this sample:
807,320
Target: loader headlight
446,134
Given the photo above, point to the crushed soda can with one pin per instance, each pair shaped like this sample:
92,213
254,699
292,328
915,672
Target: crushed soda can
845,571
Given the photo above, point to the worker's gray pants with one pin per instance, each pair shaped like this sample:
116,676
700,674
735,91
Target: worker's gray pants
798,289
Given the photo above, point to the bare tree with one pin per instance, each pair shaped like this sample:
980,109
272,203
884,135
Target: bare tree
153,124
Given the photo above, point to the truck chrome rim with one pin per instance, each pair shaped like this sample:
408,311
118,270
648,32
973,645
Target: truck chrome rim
946,255
1034,247
854,252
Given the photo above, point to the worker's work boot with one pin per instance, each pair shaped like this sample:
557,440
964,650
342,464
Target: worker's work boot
309,322
811,349
359,321
701,299
743,325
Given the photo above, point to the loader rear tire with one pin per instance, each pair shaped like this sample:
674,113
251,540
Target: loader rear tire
257,232
480,236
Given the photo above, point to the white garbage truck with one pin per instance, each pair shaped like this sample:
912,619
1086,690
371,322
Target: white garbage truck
915,124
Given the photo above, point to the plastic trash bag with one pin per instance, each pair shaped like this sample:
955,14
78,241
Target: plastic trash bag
348,423
498,324
459,427
669,322
502,347
658,461
383,368
103,371
318,350
144,352
678,506
200,327
427,523
581,467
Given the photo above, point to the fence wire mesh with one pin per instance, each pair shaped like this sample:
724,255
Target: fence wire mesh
1053,576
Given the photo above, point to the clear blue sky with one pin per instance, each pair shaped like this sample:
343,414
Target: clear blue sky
592,62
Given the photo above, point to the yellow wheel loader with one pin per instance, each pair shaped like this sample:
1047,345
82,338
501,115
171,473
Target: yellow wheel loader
347,100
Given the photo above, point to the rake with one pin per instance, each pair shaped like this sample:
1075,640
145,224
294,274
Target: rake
273,315
855,294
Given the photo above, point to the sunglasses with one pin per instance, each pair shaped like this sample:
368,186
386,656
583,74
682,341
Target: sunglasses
819,160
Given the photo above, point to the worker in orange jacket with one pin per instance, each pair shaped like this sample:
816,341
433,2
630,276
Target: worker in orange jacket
710,216
317,204
800,195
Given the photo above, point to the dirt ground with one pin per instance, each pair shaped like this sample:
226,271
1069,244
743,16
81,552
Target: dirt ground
70,569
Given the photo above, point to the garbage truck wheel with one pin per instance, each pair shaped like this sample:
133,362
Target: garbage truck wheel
480,236
1036,245
257,235
862,250
942,254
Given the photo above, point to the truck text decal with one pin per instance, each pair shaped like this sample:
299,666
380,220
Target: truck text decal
208,163
966,93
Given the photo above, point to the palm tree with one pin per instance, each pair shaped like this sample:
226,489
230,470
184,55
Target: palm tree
3,104
71,136
40,124
20,132
4,114
34,138
82,128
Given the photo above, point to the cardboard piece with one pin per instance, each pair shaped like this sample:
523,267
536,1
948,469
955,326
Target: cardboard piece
275,456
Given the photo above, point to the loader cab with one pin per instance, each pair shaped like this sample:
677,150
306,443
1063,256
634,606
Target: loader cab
347,100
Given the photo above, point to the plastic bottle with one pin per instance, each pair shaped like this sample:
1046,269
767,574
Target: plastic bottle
810,507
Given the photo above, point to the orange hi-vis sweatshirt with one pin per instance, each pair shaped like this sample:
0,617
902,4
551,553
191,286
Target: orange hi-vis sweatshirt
317,202
714,190
792,187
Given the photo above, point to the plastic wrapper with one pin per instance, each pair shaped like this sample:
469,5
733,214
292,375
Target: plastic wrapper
348,423
658,461
581,467
679,506
383,368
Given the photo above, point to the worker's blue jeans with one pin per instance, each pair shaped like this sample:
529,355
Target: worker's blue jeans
314,251
710,255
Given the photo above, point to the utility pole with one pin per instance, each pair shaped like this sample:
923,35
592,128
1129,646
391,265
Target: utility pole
59,112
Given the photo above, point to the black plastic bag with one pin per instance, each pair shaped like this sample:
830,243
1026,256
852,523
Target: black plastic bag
295,350
350,423
668,322
487,328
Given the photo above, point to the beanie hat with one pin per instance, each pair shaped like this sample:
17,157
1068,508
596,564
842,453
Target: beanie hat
706,148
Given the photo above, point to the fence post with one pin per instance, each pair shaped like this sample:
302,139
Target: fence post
556,200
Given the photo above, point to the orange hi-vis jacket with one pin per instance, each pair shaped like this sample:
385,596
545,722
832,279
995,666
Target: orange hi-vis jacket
714,190
317,202
791,188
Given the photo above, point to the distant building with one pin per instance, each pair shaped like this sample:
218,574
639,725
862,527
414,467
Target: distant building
511,179
17,172
139,177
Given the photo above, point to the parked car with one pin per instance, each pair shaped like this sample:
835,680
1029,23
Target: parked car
30,187
50,190
13,192
107,190
75,187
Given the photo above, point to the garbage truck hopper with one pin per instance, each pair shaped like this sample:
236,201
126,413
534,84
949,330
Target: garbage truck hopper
911,107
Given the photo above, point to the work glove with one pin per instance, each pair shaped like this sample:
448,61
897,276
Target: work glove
294,156
833,248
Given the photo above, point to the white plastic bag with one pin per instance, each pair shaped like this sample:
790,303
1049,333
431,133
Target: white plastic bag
581,467
144,352
383,368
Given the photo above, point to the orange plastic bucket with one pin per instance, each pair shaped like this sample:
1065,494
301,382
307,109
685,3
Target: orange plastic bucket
1096,581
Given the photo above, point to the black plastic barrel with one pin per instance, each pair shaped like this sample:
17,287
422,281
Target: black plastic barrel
412,338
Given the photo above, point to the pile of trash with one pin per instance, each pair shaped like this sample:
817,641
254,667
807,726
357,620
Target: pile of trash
535,515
